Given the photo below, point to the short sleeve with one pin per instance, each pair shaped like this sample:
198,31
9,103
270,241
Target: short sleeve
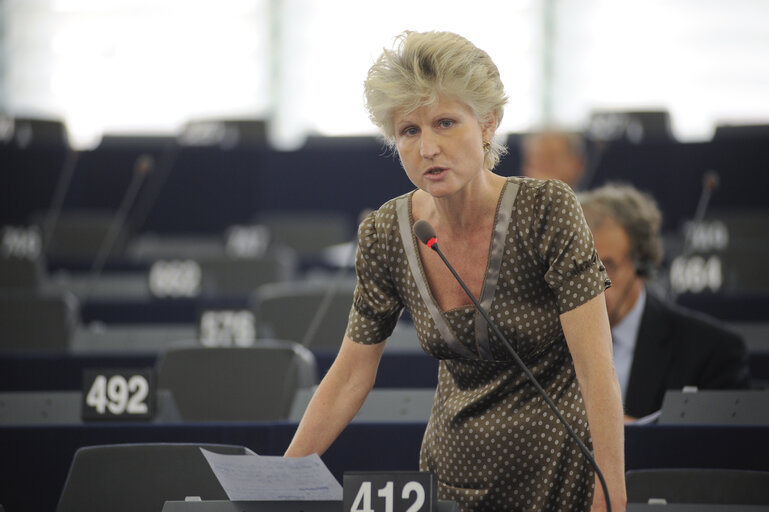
376,304
574,272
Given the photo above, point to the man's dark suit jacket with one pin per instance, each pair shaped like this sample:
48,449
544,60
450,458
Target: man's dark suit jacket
676,348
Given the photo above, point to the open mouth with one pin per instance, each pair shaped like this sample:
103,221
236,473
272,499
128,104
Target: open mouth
435,170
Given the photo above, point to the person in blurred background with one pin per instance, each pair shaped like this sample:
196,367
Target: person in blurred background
657,345
491,440
554,154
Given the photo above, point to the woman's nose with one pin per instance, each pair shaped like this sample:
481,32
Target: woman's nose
428,145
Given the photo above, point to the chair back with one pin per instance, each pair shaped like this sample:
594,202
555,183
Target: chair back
133,477
241,276
21,273
307,232
254,383
79,235
30,321
313,312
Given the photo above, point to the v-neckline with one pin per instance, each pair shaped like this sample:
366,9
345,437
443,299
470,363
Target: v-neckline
423,274
502,218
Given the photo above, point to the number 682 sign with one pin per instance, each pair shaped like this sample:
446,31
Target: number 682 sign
398,491
118,394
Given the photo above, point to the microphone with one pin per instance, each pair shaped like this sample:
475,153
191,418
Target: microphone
59,194
333,288
426,234
710,182
161,172
142,167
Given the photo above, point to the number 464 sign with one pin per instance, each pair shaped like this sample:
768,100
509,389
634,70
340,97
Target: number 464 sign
389,492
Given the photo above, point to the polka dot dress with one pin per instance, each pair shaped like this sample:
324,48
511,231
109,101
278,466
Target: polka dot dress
492,441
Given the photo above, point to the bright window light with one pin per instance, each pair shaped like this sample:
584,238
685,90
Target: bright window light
150,66
705,61
329,46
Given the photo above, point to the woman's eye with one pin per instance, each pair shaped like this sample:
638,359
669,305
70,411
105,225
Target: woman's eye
409,131
446,123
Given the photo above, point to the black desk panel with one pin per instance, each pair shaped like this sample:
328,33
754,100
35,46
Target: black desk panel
64,371
61,372
731,308
397,369
697,446
673,172
35,460
206,189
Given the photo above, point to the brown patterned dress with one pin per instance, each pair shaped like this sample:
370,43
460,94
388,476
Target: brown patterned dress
492,441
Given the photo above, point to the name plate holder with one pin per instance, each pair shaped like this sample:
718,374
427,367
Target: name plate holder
119,395
396,491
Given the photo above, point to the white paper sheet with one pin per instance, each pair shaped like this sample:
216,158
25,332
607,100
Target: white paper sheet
273,478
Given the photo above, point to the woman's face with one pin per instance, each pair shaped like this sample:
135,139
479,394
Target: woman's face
441,146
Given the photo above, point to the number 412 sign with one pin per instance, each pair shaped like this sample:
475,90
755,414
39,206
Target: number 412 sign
118,394
398,491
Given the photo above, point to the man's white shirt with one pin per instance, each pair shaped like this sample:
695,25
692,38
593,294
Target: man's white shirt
624,336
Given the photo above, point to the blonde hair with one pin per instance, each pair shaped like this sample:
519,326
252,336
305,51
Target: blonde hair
424,66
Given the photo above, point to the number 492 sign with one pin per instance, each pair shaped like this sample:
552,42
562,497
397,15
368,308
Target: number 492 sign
118,394
398,491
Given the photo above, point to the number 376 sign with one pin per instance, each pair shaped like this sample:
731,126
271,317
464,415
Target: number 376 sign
389,492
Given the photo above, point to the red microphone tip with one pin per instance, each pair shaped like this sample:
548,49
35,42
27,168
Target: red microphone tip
711,180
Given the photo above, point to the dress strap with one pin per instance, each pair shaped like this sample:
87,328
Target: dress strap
496,252
412,254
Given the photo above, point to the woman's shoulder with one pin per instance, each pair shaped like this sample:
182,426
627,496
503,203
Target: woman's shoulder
382,223
540,187
386,216
542,194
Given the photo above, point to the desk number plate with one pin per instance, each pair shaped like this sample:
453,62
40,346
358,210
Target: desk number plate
398,491
118,395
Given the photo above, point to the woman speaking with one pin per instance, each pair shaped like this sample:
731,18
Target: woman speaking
524,251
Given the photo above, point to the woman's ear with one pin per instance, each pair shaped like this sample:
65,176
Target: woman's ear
489,126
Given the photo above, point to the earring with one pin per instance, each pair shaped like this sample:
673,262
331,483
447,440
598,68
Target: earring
486,145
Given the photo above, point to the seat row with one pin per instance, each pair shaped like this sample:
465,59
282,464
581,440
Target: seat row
271,381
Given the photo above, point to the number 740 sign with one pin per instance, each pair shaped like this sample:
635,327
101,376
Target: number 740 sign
389,492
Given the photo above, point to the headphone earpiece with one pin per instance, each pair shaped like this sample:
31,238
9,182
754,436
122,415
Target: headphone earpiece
644,268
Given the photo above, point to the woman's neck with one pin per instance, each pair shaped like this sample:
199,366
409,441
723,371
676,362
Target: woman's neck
466,211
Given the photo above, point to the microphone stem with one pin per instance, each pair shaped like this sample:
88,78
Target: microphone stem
522,365
699,216
325,303
65,178
115,228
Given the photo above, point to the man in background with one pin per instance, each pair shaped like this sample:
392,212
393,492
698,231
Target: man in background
554,154
657,345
